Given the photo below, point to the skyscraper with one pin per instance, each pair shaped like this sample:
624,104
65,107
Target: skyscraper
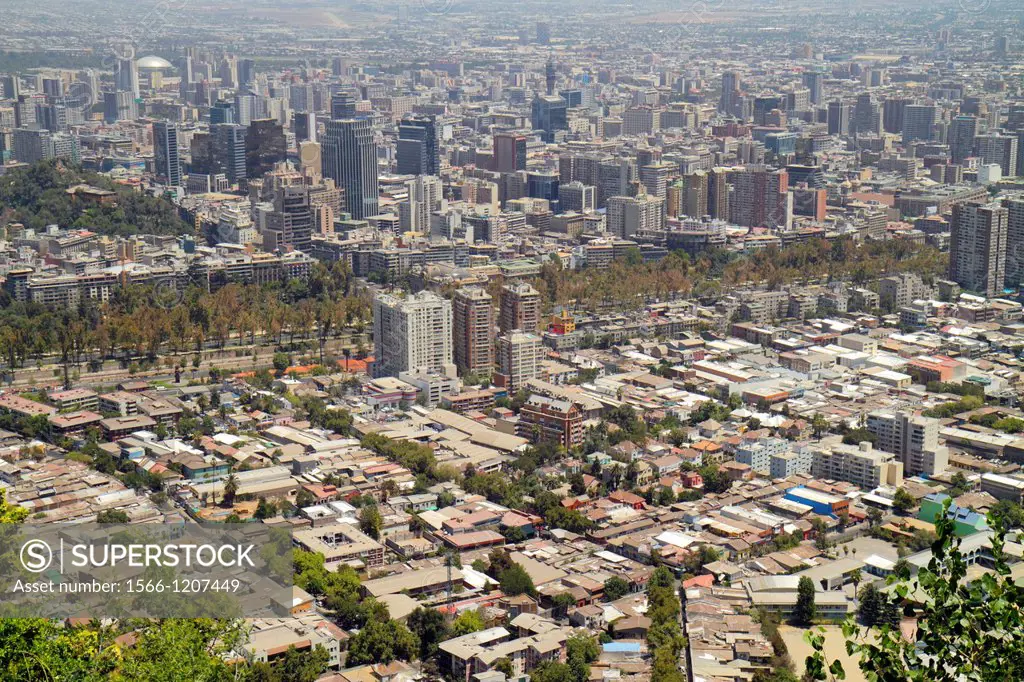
418,146
918,122
1000,150
473,327
509,152
914,438
228,150
290,224
867,116
412,334
761,198
962,131
350,159
166,161
304,126
520,307
519,357
731,84
343,104
977,247
838,118
628,216
126,73
1014,242
265,147
548,115
119,106
425,197
814,81
892,115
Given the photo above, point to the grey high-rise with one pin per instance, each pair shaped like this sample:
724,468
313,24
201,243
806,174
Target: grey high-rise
350,159
166,160
418,148
962,131
977,247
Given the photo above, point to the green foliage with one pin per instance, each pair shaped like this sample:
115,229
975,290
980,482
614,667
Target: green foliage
467,622
903,501
430,628
615,588
581,650
805,611
370,521
515,580
571,520
964,389
715,480
966,630
382,642
951,409
859,435
37,196
112,516
548,671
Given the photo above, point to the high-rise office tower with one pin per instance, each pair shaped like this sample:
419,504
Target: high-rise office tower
761,198
695,195
290,224
418,150
550,77
914,438
246,73
718,193
814,81
838,118
654,177
412,334
867,116
509,152
962,131
731,84
628,216
892,115
350,159
543,33
304,126
473,327
126,72
540,185
918,122
11,86
425,197
222,112
228,150
265,147
245,104
119,106
1014,242
575,196
1000,150
548,114
519,360
343,104
520,308
977,247
166,160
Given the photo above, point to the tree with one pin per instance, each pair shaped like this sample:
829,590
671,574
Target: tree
869,606
230,490
548,671
265,509
515,580
903,501
382,642
281,362
959,484
562,602
112,516
581,650
467,622
430,627
370,521
615,588
804,612
966,630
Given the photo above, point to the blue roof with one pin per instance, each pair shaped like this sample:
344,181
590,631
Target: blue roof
621,647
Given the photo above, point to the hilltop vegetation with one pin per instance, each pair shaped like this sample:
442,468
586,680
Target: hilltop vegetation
36,196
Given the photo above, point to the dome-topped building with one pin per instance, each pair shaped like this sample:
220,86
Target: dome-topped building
153,63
